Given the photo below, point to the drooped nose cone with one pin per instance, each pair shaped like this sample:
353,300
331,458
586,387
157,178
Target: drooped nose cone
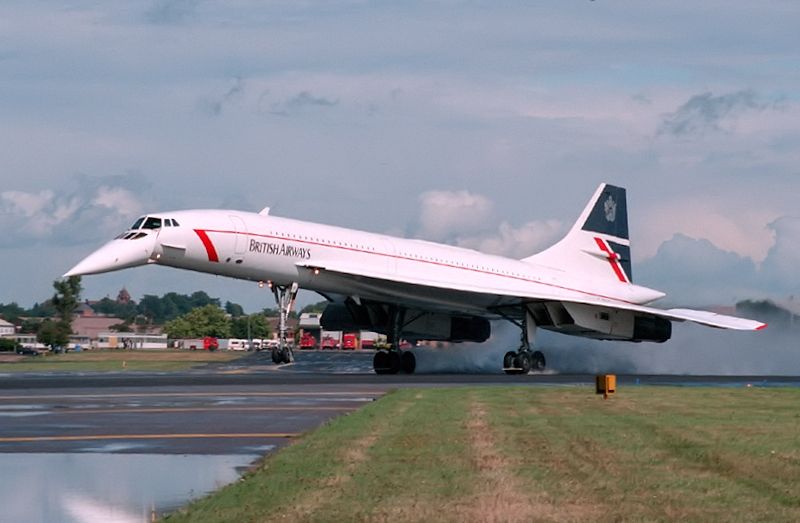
115,255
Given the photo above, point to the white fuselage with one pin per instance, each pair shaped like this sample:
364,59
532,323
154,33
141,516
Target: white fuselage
580,286
265,248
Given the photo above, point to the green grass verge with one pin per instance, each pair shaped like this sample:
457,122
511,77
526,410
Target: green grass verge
534,454
118,360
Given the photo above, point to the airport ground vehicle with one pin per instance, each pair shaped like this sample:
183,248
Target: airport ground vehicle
308,341
206,343
329,342
350,341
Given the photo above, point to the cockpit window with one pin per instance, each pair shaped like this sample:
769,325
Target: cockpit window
137,223
175,223
152,223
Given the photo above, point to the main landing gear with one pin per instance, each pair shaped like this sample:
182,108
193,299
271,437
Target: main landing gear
284,296
524,359
394,360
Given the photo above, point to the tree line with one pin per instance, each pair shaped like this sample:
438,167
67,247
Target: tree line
181,315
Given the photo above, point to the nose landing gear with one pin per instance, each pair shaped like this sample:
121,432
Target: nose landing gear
284,296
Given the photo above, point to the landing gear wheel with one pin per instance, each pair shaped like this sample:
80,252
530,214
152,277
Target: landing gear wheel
408,362
276,356
523,362
537,361
394,362
380,362
508,359
286,356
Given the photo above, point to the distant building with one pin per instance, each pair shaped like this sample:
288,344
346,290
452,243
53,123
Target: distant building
92,326
6,328
84,309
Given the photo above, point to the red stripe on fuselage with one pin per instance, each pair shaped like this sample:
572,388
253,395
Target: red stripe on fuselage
613,259
212,252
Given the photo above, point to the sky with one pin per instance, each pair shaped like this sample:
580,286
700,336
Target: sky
481,124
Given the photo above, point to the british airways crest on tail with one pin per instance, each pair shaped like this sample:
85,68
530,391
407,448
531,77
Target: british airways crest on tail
610,214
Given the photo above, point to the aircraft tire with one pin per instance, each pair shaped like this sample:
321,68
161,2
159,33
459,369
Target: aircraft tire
408,362
395,362
276,356
508,360
537,361
380,362
286,357
523,362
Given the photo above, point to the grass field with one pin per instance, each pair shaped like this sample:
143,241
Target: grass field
534,454
112,360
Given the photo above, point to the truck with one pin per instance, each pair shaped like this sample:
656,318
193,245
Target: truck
206,343
308,341
350,341
329,342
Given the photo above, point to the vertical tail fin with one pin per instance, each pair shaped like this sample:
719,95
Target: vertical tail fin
597,246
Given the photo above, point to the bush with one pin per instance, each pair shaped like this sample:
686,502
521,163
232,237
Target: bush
8,345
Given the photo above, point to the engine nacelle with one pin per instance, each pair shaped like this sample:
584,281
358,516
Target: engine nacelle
601,323
339,317
651,328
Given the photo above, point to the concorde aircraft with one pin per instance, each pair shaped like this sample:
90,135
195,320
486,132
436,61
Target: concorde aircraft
417,290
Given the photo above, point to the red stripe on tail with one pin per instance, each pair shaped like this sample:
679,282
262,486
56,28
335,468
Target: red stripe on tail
613,259
212,252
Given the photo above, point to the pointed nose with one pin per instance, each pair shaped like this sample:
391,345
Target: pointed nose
113,256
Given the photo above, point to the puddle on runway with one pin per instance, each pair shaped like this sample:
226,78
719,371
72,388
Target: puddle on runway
83,488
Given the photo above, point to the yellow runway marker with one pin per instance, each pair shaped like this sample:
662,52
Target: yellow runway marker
95,437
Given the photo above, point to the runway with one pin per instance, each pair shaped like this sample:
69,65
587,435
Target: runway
233,412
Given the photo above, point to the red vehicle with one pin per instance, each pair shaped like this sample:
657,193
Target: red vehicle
329,342
350,341
208,343
308,341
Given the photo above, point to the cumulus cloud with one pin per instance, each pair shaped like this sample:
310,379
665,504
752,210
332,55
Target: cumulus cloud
96,210
446,214
466,219
706,112
781,268
516,242
696,271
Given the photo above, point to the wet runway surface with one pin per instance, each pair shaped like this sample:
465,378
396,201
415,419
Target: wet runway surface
168,420
164,438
